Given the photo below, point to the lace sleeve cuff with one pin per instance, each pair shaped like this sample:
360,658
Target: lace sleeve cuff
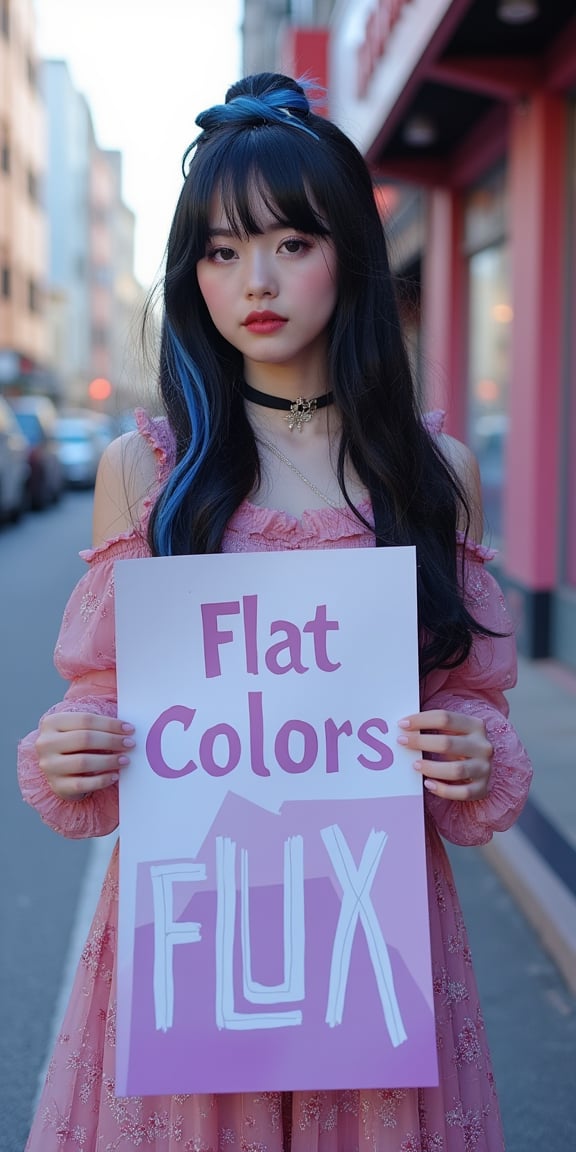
97,814
473,822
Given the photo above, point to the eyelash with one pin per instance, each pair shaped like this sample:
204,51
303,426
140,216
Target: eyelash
213,253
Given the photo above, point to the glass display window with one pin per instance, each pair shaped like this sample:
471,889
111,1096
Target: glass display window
489,353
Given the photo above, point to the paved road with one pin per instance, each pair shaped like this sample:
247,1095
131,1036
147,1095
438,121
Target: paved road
48,894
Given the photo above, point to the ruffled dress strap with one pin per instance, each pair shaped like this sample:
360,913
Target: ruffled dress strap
434,421
157,431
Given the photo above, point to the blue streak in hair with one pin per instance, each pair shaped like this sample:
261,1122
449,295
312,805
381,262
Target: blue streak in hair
188,378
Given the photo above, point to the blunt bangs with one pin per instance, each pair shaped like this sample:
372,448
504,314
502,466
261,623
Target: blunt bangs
270,166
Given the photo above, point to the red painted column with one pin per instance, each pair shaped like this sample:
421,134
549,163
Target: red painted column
444,310
537,221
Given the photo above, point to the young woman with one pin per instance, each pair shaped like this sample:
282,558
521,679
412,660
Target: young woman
291,422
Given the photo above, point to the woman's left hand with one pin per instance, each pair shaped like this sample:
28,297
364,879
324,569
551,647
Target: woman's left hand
462,771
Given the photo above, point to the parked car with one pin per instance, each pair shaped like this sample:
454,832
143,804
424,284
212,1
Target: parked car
36,416
80,446
14,467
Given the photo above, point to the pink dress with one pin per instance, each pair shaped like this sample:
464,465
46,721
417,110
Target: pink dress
78,1111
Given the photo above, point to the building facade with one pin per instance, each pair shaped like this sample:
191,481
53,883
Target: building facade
92,292
474,105
67,197
466,113
23,333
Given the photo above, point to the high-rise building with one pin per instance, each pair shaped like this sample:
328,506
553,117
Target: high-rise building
70,141
92,292
23,332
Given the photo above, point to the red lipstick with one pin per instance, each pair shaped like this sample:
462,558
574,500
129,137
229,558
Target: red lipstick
263,322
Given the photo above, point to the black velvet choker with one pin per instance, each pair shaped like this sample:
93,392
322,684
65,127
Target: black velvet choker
298,412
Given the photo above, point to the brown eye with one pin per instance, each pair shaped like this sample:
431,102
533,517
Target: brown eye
295,245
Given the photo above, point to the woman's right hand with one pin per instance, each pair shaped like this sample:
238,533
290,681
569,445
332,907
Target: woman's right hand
82,752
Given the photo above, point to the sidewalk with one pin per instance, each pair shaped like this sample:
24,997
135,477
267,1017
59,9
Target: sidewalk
537,857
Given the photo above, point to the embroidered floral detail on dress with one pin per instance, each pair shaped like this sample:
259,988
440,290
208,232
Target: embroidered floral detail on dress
93,951
439,882
64,1130
431,1141
448,990
468,1050
471,1123
411,1143
478,586
458,941
88,605
87,1066
226,1137
383,1108
348,1101
329,1119
310,1110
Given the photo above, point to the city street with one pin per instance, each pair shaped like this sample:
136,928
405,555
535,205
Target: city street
50,885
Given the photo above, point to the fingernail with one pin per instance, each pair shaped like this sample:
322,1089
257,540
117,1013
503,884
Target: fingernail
128,743
403,723
114,778
431,785
123,760
401,739
127,727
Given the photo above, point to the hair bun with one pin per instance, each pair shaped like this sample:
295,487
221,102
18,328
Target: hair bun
247,108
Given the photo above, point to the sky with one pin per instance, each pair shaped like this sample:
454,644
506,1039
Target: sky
147,68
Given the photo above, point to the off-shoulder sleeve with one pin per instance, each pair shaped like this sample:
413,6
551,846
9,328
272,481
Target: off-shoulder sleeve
477,688
85,655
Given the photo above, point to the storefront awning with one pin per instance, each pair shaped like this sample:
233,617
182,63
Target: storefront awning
428,71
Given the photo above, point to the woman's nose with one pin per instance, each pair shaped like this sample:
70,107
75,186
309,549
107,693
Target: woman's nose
260,280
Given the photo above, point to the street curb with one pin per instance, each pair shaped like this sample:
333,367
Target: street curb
546,902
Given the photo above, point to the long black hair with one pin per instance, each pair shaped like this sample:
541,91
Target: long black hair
265,139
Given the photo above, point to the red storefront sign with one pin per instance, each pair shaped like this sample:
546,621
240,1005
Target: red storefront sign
379,27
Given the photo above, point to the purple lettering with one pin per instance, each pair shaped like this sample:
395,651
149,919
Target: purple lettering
365,735
207,758
250,607
282,746
178,714
319,626
333,732
212,637
292,644
256,720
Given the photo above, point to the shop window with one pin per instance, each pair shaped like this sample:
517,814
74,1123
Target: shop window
490,321
489,339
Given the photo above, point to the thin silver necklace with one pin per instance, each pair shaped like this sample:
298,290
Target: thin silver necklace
310,484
